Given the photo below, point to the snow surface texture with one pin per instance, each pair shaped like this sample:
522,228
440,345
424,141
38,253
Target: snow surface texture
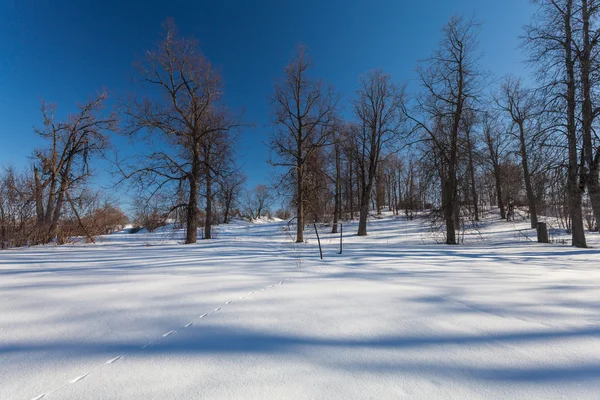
251,315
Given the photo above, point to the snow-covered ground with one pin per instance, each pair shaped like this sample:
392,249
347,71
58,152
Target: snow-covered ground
251,315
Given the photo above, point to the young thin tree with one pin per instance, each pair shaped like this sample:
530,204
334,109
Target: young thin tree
304,117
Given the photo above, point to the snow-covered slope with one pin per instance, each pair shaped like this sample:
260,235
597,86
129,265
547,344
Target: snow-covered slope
251,315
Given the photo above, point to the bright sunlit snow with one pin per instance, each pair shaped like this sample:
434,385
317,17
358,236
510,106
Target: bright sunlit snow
252,315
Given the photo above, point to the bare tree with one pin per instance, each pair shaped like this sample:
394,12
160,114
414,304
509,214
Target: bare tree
496,144
379,111
468,126
588,56
258,200
65,163
17,209
337,181
554,51
231,186
185,113
451,82
304,116
520,105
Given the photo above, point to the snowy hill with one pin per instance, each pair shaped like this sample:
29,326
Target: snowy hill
251,315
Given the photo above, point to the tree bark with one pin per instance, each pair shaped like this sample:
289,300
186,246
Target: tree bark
573,181
587,113
209,212
472,176
527,176
192,206
338,190
300,205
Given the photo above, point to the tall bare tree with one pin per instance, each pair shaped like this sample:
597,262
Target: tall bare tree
379,112
304,117
521,106
185,113
553,50
451,83
588,57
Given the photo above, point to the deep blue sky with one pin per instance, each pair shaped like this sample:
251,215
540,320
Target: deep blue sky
64,51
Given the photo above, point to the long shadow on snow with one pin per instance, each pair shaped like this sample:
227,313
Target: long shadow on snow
233,340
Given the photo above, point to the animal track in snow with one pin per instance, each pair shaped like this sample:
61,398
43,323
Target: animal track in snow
80,377
112,360
115,359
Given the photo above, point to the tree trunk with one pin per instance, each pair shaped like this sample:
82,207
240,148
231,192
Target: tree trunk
362,218
527,177
448,199
209,212
300,205
593,185
350,162
499,191
228,200
53,230
587,114
39,200
338,189
573,181
472,176
192,206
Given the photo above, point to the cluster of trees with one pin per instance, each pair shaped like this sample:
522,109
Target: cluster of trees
52,200
462,143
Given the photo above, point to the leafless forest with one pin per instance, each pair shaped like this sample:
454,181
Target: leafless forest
457,145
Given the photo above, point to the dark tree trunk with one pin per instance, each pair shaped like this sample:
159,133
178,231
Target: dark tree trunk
364,213
39,200
192,206
300,203
527,176
573,180
337,207
209,209
228,200
472,176
587,113
499,192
